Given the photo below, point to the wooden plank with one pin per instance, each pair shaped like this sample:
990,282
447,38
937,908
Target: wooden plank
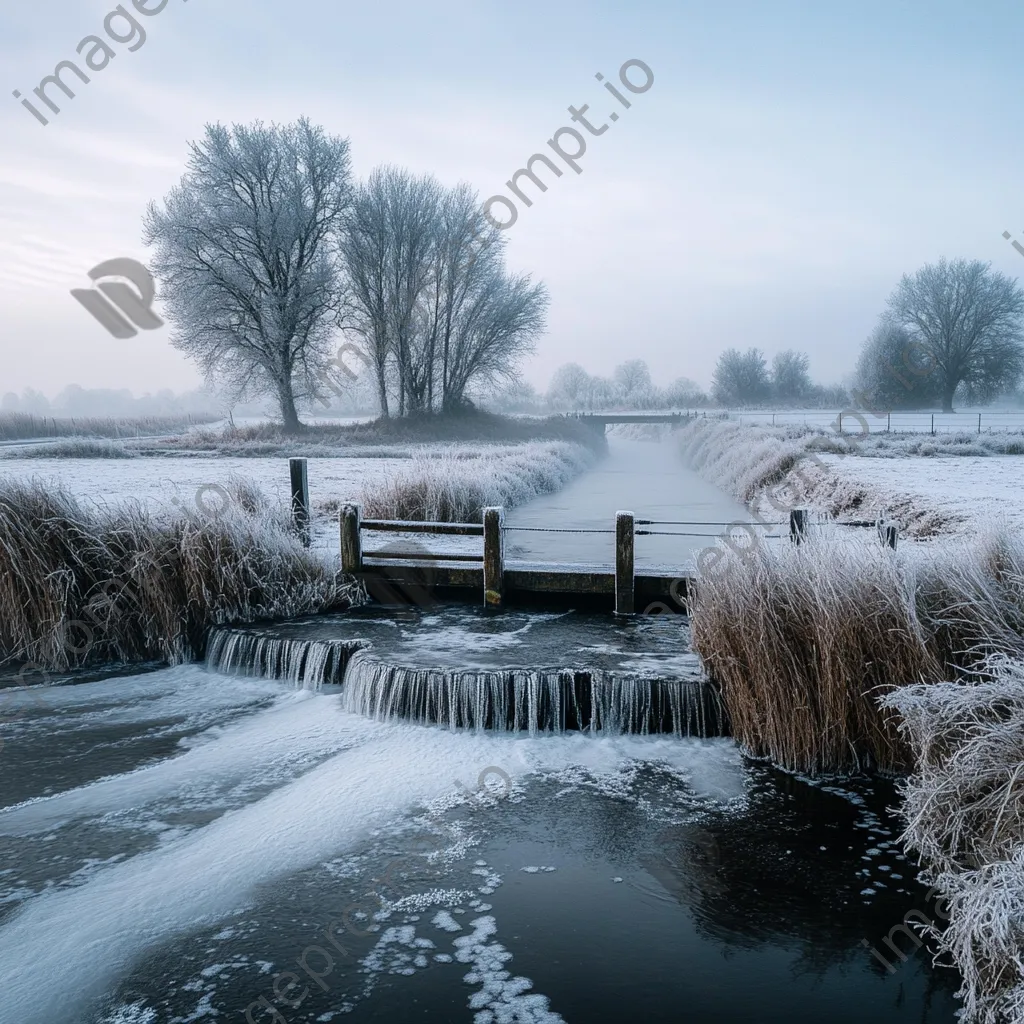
351,542
422,557
624,544
439,529
494,557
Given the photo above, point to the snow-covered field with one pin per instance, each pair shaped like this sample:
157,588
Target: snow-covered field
966,492
929,492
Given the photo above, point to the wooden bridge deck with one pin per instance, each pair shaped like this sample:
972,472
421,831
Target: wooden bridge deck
525,583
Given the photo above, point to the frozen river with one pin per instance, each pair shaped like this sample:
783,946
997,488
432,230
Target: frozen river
646,478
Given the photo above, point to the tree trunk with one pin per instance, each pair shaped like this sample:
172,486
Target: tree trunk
289,414
947,398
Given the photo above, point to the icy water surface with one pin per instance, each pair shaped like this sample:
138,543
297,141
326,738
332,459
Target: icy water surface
220,845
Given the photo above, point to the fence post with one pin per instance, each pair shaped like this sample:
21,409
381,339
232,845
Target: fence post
798,525
494,558
888,422
979,422
933,424
888,532
300,497
351,539
624,543
840,424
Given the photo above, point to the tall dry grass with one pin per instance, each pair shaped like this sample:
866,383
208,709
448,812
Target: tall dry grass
455,487
803,640
964,807
80,585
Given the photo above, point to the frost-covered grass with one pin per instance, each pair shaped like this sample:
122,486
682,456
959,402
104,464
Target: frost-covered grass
776,469
72,448
16,426
802,640
326,439
965,811
80,585
455,486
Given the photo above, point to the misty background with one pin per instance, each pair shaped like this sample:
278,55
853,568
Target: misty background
789,164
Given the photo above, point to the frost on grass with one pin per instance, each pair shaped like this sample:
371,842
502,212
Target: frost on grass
776,469
456,486
964,807
119,583
840,624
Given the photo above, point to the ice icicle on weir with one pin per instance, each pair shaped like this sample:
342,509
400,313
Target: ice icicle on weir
523,700
309,664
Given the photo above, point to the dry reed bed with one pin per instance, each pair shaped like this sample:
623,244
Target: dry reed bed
964,806
803,640
80,585
456,487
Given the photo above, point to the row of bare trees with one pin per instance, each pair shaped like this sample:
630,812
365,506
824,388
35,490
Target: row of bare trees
267,253
431,300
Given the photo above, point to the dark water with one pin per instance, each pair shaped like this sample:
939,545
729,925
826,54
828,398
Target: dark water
215,826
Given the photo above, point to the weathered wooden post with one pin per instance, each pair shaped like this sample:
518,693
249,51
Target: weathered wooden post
624,581
351,540
798,520
888,532
300,497
494,558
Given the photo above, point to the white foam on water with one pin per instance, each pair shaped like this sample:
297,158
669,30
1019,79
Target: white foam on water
298,725
63,949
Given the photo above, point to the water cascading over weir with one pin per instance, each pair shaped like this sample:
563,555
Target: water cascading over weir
464,669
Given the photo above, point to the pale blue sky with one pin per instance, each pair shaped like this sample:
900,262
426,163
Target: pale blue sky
789,163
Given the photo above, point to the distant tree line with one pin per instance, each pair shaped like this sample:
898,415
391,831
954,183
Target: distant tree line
267,254
747,379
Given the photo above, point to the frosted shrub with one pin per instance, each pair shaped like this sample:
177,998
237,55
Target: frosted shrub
964,807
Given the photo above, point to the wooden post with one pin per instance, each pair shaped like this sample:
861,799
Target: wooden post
979,422
888,532
351,540
300,497
494,558
840,424
798,525
624,582
888,422
933,424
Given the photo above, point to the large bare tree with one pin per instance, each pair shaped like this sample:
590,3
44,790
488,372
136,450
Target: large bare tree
430,300
247,257
964,320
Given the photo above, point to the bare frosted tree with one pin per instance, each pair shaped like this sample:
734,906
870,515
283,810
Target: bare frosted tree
791,381
430,299
633,382
389,248
966,321
740,378
246,255
569,386
498,325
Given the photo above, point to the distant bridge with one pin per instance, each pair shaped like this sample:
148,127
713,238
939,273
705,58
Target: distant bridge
603,419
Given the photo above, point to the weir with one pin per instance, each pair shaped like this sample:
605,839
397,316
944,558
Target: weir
464,669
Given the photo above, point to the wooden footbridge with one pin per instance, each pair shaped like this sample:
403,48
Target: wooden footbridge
406,572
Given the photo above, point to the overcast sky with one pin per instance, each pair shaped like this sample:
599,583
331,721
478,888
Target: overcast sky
790,162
